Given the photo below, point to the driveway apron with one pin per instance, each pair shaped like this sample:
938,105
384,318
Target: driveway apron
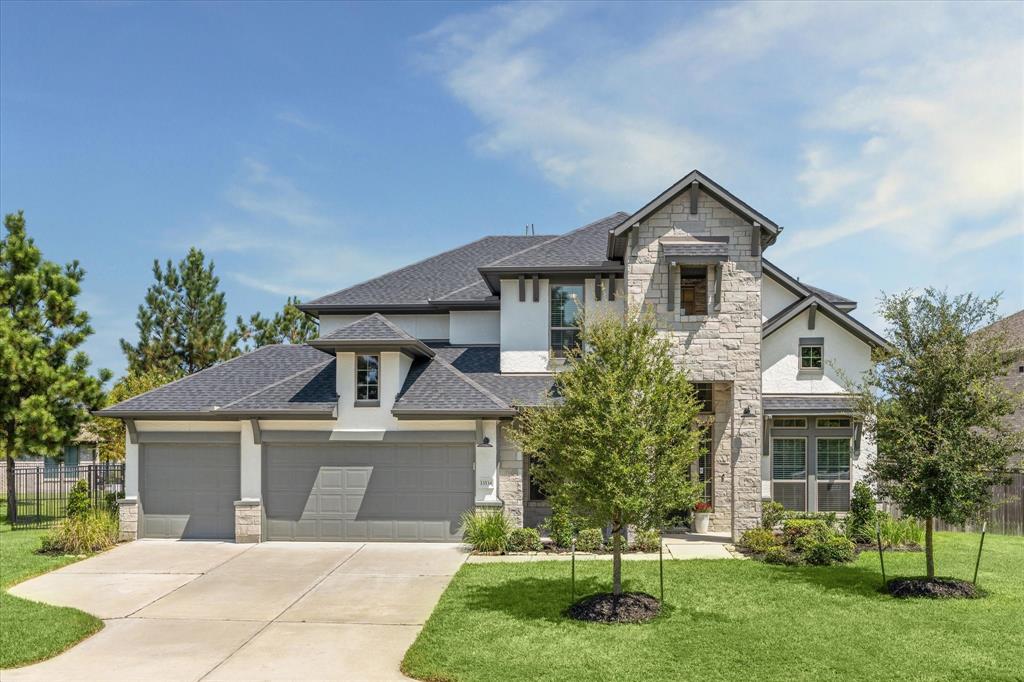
178,610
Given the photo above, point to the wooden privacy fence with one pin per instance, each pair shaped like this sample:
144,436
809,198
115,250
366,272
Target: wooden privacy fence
1006,518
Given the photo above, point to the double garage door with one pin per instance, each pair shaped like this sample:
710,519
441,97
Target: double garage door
312,491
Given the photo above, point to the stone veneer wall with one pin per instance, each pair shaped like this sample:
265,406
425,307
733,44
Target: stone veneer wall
510,476
128,519
725,346
248,521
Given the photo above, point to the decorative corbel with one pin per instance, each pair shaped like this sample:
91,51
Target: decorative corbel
133,433
522,288
694,196
536,288
611,287
755,239
597,287
257,435
811,312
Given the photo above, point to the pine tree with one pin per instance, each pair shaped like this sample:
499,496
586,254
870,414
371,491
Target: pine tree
291,325
45,388
181,324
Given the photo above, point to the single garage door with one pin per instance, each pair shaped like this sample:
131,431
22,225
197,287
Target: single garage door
367,491
189,490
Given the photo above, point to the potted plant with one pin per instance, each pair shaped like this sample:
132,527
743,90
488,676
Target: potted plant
701,516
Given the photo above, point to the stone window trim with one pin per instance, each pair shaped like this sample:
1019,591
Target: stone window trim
811,355
367,380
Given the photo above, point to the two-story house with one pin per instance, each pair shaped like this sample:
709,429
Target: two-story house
393,422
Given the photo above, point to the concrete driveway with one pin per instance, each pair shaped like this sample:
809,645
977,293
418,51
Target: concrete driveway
221,611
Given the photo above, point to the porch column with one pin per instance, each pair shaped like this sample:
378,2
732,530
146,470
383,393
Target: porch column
128,507
249,509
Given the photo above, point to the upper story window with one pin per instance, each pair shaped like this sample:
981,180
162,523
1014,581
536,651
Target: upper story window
833,422
566,309
812,354
693,295
367,379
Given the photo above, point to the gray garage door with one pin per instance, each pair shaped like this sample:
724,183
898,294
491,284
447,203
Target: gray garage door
189,491
367,491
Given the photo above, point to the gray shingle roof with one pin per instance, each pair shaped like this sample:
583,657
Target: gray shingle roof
436,277
583,246
483,365
834,299
373,327
314,390
435,386
271,371
808,404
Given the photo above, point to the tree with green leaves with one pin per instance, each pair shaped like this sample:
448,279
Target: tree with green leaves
934,407
46,391
291,325
181,324
618,447
111,431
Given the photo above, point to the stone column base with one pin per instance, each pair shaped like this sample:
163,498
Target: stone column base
128,519
248,521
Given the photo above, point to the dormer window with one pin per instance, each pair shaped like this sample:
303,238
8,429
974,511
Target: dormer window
693,297
367,380
566,308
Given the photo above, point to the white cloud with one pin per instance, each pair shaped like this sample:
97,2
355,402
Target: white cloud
905,119
278,239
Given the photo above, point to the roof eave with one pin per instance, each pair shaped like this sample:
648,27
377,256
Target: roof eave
414,348
214,415
494,274
452,414
850,324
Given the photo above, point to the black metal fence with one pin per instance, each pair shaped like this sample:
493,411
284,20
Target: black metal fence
41,492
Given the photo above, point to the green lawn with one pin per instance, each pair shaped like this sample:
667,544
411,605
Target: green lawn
30,631
733,620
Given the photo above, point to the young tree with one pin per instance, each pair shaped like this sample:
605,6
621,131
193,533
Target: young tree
291,325
934,408
181,324
111,431
617,449
45,387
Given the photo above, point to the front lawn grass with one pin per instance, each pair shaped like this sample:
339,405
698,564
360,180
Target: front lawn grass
30,631
733,620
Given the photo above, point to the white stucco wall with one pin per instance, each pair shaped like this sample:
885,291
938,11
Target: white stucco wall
774,297
430,326
474,326
780,357
250,465
524,328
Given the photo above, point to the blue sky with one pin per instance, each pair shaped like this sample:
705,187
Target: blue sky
309,147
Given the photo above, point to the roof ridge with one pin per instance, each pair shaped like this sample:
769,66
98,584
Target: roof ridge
277,383
493,398
555,238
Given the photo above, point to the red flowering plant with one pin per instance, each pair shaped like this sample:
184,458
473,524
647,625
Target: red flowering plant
702,508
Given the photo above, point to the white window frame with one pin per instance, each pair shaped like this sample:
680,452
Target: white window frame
777,425
367,402
847,425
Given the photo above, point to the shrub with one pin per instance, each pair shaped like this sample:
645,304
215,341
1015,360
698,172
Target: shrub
759,540
524,540
559,527
589,540
860,522
899,532
89,531
826,548
79,500
486,531
829,518
794,529
772,514
779,555
647,540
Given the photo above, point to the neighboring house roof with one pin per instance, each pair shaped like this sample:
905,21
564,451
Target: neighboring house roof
808,404
373,331
449,278
850,324
616,242
799,289
279,380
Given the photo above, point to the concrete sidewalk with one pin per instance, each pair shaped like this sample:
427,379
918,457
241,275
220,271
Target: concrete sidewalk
674,546
221,611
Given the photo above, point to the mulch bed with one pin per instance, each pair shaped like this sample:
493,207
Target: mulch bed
629,607
934,588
